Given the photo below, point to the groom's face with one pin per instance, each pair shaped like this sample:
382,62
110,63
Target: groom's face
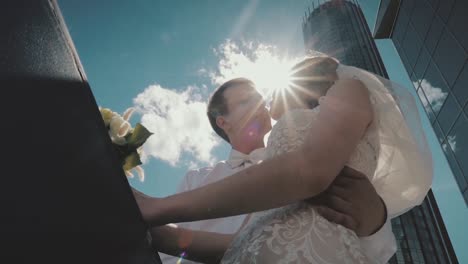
247,116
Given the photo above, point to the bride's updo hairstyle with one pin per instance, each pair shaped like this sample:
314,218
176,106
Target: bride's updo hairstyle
314,74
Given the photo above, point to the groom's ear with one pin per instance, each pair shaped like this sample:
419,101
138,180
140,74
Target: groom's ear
221,122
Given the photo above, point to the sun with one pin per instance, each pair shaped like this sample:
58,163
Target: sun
272,74
262,63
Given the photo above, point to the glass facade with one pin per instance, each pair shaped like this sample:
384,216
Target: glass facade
432,40
419,237
338,28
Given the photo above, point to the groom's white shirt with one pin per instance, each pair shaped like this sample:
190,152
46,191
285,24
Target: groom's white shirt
379,247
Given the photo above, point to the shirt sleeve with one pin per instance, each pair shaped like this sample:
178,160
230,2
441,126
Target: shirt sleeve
380,246
186,183
191,180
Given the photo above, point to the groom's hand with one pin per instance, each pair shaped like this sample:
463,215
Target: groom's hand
352,201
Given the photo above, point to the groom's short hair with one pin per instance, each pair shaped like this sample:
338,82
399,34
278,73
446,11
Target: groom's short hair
217,104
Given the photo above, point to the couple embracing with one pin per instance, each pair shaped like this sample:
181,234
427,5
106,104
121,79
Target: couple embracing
346,155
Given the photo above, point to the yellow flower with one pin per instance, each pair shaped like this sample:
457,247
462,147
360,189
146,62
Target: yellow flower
107,115
119,128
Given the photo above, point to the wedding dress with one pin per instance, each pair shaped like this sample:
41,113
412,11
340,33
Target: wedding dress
297,233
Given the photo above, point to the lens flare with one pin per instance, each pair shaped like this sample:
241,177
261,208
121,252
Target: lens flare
181,258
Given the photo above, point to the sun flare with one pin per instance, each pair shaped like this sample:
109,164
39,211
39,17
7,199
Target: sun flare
272,74
261,63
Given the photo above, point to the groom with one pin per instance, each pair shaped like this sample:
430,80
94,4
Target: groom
238,114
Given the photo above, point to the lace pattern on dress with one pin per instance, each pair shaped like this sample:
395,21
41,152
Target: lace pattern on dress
296,233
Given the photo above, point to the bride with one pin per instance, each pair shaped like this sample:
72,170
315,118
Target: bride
332,115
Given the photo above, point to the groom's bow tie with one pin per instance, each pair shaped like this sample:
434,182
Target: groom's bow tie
238,159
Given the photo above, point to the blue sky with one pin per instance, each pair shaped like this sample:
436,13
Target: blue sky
165,57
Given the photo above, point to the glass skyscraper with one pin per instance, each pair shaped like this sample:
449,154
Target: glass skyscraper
432,40
338,28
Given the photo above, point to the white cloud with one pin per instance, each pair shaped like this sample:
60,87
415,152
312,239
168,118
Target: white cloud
434,95
179,123
452,141
202,71
178,119
259,62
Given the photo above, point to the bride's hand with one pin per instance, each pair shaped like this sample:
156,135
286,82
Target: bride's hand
147,205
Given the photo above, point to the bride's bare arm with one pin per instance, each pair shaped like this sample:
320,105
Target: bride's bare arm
205,247
344,116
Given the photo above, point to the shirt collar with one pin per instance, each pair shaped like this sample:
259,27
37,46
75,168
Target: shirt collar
237,159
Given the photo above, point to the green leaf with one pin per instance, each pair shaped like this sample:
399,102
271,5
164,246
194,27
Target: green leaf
138,136
131,161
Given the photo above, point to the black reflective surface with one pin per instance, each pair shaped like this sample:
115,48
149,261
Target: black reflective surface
64,197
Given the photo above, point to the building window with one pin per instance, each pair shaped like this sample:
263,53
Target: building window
444,9
407,6
450,57
401,24
434,87
421,64
460,88
448,114
434,4
438,132
433,36
426,105
421,17
416,81
411,45
457,22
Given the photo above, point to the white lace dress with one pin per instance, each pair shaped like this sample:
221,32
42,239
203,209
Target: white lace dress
296,233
